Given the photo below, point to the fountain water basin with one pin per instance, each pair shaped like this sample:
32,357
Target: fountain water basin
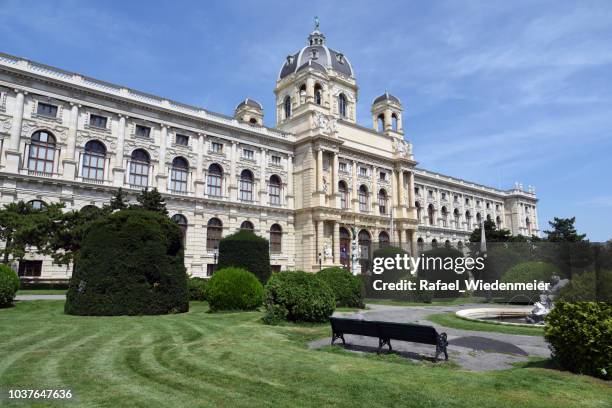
511,316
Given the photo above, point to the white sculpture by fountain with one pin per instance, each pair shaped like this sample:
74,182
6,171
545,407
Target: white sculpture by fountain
544,306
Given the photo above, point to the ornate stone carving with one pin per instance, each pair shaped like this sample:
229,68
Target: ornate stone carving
29,126
402,148
6,122
325,124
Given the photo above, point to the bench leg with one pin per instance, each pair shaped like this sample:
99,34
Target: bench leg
381,343
441,346
336,336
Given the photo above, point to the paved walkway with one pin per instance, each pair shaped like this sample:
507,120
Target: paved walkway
40,297
472,350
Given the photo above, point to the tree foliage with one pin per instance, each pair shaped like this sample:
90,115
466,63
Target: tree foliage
151,201
563,230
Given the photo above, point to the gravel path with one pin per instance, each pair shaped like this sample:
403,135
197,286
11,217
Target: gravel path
40,297
472,350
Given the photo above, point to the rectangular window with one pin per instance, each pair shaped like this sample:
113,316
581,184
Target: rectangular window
182,140
416,191
216,147
363,171
275,194
276,160
343,167
467,201
431,193
142,131
45,109
248,154
30,268
97,121
210,269
383,175
214,184
139,174
275,268
444,196
456,199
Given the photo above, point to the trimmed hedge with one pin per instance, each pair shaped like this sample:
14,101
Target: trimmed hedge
9,285
587,287
246,250
528,272
197,288
434,270
298,296
130,263
348,289
580,337
234,289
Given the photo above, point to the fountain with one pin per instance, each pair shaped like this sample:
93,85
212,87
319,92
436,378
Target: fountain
518,316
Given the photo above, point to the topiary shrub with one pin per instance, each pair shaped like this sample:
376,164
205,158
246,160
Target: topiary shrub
588,286
130,263
433,269
298,296
528,272
9,285
197,288
348,289
234,289
246,250
580,337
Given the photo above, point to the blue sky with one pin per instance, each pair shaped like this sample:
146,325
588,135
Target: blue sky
493,91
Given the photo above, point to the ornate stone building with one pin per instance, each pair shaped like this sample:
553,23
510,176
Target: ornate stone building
307,185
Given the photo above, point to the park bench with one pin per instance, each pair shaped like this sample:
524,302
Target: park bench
385,331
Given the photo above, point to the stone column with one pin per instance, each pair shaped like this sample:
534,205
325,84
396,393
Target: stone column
233,193
69,160
12,153
336,244
162,176
309,90
388,121
355,195
374,203
262,178
118,169
320,239
411,196
319,170
335,180
290,194
199,181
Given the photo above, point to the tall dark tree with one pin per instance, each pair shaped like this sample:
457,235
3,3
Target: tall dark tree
563,230
119,200
151,201
492,234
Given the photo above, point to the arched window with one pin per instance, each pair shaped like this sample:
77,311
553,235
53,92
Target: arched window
380,123
528,225
318,94
434,243
276,239
41,157
488,217
420,244
431,213
37,204
478,219
364,243
287,107
383,239
139,168
215,178
363,198
460,245
444,217
345,247
344,199
419,210
468,219
382,201
394,122
498,222
248,226
447,243
274,188
214,231
178,175
246,185
182,223
456,215
93,161
342,105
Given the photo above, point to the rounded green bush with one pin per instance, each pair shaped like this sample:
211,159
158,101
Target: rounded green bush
348,289
298,296
197,288
528,272
130,263
580,337
246,250
234,289
9,285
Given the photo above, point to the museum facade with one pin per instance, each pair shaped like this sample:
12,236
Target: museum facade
312,185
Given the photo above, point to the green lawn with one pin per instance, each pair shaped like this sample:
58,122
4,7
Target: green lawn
449,319
199,359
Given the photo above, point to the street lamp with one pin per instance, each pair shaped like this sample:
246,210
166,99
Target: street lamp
320,261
